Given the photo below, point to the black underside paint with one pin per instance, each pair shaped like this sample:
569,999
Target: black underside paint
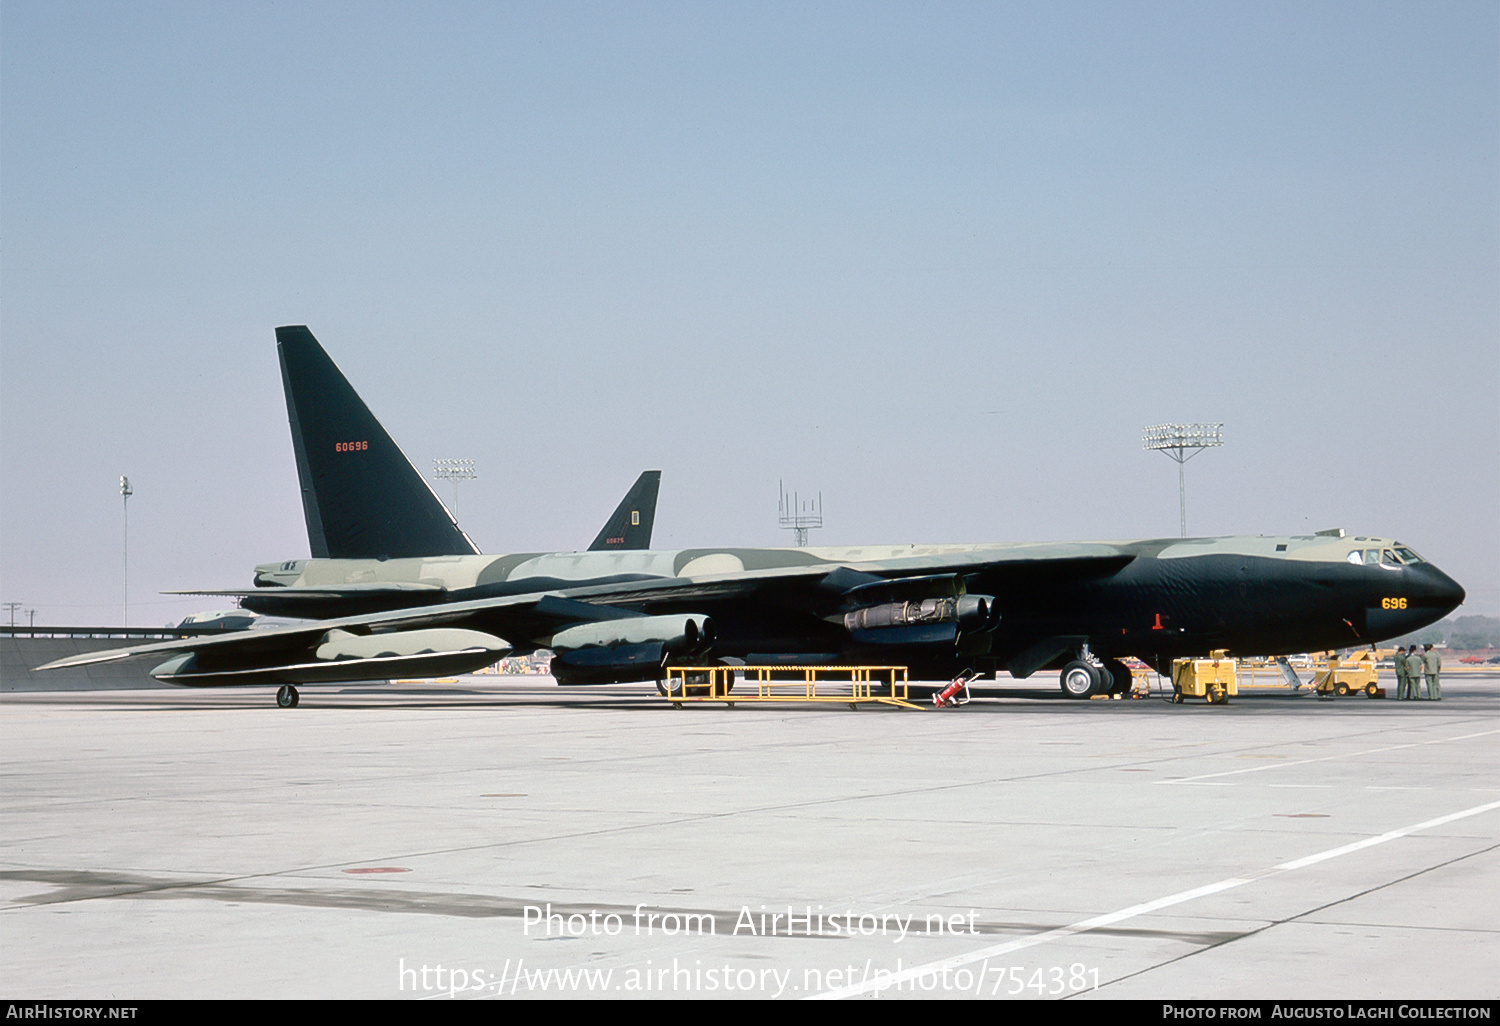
1155,610
1151,608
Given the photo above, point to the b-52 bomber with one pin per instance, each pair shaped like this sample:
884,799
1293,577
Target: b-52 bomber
611,616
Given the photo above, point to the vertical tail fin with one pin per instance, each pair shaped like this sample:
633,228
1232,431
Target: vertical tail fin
629,526
362,497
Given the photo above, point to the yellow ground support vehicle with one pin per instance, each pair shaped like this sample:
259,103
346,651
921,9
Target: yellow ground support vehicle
1345,676
1213,679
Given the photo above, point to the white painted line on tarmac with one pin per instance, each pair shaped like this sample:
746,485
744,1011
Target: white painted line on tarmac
1463,737
1370,842
888,981
1325,758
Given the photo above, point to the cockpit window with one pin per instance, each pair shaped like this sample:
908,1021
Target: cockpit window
1356,557
1407,555
1372,556
1389,558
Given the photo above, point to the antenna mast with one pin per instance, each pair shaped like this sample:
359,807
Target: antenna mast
796,515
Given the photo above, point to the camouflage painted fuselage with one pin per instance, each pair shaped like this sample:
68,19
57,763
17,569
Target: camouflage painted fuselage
1152,599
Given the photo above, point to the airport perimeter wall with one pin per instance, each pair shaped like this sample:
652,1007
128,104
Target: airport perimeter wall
24,648
18,655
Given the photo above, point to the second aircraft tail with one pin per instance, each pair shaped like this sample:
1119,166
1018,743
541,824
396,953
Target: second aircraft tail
629,526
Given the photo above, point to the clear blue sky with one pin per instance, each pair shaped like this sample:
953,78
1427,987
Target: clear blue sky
941,262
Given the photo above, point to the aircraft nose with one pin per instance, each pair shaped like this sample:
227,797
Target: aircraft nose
1423,596
1430,587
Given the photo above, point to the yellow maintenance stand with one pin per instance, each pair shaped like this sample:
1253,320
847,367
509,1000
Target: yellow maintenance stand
1346,676
1213,679
850,685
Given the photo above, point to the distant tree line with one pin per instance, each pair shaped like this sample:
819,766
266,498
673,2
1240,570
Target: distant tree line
1460,632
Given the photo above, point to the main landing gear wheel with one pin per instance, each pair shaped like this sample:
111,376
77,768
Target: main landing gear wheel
696,684
1120,677
1081,679
286,697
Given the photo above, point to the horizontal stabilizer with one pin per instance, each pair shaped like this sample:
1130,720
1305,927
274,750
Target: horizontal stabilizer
315,602
406,589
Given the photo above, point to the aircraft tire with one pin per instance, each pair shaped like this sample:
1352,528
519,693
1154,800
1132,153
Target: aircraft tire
1080,679
733,670
667,687
286,697
1120,675
696,684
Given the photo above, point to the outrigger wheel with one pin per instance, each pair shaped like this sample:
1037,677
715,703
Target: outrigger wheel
286,697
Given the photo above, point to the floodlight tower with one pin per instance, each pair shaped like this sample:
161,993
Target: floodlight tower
455,471
1182,442
125,493
801,517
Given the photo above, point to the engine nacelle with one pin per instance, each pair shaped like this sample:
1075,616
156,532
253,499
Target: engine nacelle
969,612
678,634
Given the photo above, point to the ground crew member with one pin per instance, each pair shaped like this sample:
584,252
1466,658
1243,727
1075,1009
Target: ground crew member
1413,668
1432,664
1403,682
1414,673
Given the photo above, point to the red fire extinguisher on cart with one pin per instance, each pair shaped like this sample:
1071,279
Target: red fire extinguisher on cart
957,691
